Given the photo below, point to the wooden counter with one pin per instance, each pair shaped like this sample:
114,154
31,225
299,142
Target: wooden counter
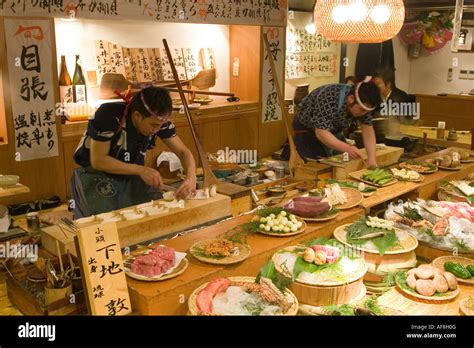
394,299
429,187
170,297
463,141
13,190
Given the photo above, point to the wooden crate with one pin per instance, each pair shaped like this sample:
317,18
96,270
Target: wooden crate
28,304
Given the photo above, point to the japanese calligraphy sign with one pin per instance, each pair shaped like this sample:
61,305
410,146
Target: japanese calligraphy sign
191,61
301,65
255,12
309,55
271,110
102,270
31,88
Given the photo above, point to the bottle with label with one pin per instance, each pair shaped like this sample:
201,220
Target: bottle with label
65,83
79,84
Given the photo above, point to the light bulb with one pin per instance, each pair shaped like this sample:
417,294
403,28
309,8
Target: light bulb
380,14
340,14
310,28
357,11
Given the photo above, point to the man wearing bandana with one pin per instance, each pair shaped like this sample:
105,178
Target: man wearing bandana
111,155
327,111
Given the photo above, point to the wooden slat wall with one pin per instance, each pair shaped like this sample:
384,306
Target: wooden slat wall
456,111
44,177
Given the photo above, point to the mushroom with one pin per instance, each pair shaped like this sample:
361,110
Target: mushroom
446,162
425,287
451,279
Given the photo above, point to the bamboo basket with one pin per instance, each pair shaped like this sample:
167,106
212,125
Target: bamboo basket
194,310
317,295
327,295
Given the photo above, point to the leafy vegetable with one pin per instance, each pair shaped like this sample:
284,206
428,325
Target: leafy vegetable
267,211
269,271
254,308
372,305
334,269
359,229
412,214
343,310
331,212
349,184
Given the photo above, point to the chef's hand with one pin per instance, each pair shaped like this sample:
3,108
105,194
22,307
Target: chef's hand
151,177
353,152
371,164
188,186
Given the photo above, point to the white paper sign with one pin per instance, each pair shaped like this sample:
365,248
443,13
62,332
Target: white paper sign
30,63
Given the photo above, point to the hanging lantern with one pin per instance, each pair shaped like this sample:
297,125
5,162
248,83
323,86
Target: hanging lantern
365,21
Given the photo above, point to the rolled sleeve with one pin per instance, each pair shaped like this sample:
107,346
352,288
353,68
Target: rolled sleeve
105,125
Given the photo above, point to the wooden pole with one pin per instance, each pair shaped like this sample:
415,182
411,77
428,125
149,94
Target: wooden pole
295,159
209,177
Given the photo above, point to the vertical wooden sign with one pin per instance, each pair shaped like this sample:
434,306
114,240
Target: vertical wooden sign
102,270
116,58
191,61
155,63
271,111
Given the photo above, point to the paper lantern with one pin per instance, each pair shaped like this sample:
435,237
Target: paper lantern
365,21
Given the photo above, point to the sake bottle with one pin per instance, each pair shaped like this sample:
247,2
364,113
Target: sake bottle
79,84
65,83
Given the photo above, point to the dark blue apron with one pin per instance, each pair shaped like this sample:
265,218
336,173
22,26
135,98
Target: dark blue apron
94,192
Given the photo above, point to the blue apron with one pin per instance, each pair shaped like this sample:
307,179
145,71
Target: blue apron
95,192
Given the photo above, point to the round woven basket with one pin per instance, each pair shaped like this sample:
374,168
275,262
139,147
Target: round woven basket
194,310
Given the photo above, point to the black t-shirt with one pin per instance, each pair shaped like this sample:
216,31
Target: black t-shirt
126,144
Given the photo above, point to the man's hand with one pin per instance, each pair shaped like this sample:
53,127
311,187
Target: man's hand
188,186
353,152
371,164
151,177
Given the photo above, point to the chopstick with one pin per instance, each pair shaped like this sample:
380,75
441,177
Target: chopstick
58,250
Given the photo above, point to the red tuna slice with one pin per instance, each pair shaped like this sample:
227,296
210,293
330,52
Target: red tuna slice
204,301
164,252
205,297
147,271
148,260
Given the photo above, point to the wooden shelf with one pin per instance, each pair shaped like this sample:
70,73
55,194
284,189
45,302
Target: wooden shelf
18,189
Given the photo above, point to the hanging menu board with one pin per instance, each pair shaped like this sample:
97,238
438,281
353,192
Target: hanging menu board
102,270
309,55
29,56
253,12
271,111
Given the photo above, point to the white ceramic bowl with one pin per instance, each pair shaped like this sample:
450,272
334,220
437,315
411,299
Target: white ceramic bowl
9,180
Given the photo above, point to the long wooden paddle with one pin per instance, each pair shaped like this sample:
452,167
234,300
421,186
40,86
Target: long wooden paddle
209,177
295,159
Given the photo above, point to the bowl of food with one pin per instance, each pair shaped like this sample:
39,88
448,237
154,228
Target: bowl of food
9,180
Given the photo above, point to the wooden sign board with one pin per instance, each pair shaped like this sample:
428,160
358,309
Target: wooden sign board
102,270
202,11
271,111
